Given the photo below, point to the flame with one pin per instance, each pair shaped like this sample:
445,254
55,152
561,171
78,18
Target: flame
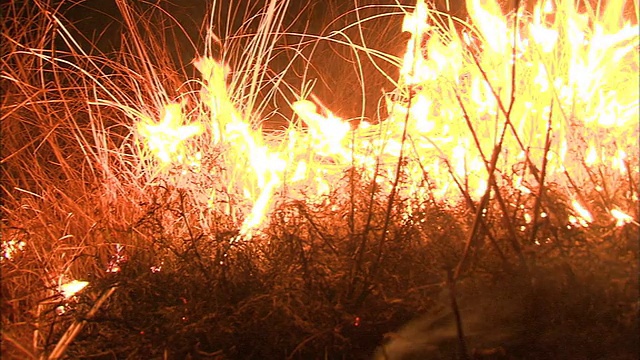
582,212
71,288
622,218
166,138
573,102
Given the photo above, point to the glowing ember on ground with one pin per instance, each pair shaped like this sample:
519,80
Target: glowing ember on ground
71,288
622,218
564,99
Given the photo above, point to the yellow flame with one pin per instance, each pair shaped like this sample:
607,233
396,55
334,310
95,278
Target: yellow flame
592,156
622,218
166,138
71,288
582,212
575,80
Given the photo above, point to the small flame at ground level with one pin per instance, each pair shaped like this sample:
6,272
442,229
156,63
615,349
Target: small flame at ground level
556,89
69,289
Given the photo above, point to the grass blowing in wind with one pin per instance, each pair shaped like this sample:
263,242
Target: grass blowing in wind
179,207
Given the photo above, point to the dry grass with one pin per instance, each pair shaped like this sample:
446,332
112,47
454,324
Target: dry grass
169,277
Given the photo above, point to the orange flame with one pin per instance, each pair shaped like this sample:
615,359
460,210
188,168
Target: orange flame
559,85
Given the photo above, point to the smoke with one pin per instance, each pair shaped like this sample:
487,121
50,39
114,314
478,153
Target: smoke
492,318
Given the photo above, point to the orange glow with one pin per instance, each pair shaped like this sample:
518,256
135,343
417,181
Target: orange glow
576,83
584,214
622,218
71,288
165,139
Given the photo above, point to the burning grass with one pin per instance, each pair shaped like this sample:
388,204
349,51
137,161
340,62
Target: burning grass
220,209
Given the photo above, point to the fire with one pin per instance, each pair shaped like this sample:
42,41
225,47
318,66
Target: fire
166,139
622,218
585,215
557,87
69,289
